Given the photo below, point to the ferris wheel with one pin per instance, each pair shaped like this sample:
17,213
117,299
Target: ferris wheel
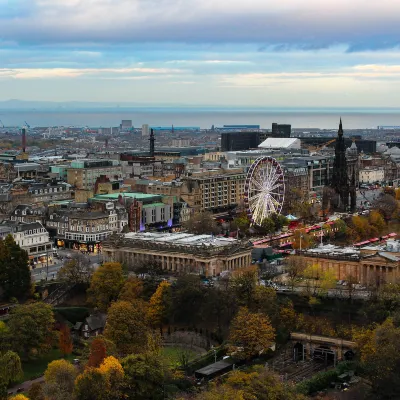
264,189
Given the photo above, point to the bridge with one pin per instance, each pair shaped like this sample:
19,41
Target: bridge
328,349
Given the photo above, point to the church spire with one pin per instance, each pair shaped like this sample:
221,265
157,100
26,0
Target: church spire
340,132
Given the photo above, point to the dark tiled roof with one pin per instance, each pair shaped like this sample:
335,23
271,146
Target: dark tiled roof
96,321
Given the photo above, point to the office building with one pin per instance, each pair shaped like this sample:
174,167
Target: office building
233,141
281,130
145,131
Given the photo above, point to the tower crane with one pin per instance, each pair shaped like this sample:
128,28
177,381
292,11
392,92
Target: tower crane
27,125
2,125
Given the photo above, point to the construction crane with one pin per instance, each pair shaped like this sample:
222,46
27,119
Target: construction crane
321,146
2,125
27,125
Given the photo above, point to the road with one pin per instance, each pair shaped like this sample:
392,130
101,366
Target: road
50,272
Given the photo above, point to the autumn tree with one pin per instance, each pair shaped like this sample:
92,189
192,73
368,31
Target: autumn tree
160,305
77,270
295,266
132,290
19,397
59,380
92,384
105,285
244,285
35,392
380,358
250,333
65,340
97,353
302,240
375,219
144,376
114,374
201,223
15,277
241,223
386,204
317,281
127,327
31,328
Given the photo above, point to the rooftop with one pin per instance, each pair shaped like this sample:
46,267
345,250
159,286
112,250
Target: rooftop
115,196
185,239
278,143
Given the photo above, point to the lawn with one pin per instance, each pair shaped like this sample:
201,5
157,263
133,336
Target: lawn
173,354
35,368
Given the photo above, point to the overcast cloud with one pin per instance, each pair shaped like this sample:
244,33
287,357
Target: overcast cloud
212,52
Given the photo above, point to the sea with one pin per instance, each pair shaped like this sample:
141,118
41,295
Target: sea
204,118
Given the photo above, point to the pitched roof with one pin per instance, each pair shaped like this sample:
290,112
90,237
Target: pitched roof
96,321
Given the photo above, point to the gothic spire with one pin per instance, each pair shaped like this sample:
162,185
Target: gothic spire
340,132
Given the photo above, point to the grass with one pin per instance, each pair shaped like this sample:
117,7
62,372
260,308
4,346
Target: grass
173,354
35,368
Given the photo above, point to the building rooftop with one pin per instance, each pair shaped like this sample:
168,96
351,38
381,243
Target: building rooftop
185,239
334,251
132,195
277,143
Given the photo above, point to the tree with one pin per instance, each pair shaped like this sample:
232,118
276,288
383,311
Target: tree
15,277
375,218
91,385
35,392
302,240
380,358
268,225
244,286
264,301
127,327
279,221
59,380
250,333
132,290
97,353
65,340
105,285
317,282
19,397
386,204
10,370
241,223
75,271
201,223
114,373
144,376
31,328
160,304
295,266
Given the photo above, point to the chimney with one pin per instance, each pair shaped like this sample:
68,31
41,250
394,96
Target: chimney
23,139
152,140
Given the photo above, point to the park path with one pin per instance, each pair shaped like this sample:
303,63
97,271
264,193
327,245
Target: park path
25,386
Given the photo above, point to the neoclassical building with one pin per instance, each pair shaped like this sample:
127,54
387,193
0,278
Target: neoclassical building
370,266
179,252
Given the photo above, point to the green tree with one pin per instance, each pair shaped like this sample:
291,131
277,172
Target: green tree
127,327
268,225
105,285
160,305
15,277
244,286
250,333
10,370
31,328
279,221
144,376
59,380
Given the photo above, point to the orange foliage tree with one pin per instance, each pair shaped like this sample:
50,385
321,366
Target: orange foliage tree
65,340
97,353
250,333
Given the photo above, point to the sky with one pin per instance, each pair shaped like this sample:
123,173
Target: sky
254,53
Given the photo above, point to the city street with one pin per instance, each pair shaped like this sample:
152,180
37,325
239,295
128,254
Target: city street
50,272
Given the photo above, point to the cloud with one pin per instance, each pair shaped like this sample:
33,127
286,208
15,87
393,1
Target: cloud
309,25
123,73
